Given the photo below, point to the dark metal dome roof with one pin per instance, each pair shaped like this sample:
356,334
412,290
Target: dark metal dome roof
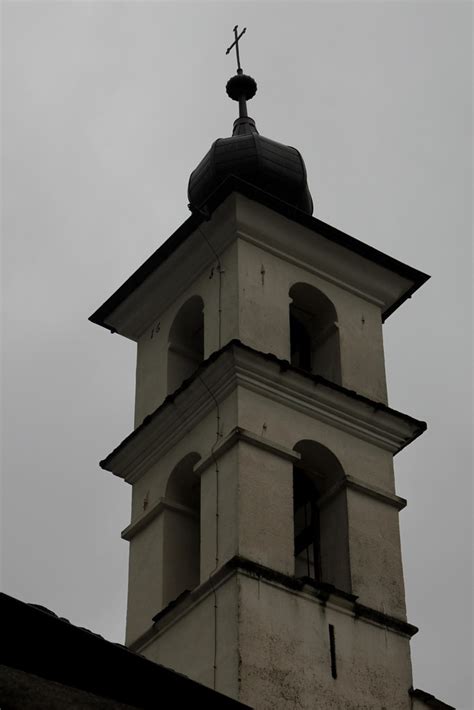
276,168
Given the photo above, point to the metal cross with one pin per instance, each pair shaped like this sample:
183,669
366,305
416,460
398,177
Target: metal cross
236,44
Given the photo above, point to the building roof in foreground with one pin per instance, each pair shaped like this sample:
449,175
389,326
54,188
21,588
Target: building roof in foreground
47,663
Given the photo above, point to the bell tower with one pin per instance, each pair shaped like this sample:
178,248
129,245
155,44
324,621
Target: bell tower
264,537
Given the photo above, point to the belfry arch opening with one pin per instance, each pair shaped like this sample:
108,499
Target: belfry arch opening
186,342
321,539
182,530
314,333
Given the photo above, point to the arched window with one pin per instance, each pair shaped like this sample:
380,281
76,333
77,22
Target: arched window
181,551
186,342
320,516
314,334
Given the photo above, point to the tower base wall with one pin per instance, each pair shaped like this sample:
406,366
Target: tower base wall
268,643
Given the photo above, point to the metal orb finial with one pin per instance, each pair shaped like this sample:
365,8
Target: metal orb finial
240,87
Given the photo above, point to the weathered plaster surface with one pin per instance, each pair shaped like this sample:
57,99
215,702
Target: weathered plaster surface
241,419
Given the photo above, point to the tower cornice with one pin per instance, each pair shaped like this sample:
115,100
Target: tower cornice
238,365
325,594
358,266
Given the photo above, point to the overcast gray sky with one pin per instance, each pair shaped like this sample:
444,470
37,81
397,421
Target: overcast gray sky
107,107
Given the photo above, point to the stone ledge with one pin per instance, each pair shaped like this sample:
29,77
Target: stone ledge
239,434
361,487
141,522
239,365
323,592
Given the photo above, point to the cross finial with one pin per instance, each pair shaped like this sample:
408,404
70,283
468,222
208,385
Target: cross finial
235,44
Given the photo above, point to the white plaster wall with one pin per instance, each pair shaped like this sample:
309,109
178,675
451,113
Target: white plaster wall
265,515
375,554
275,641
285,655
145,584
146,596
205,633
264,317
371,464
272,650
254,517
255,510
263,300
374,548
361,341
255,503
250,287
200,439
219,482
152,346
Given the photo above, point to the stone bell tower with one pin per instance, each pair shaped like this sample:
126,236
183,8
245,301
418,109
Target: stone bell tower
264,537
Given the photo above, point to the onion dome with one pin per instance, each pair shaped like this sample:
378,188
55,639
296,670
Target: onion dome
273,167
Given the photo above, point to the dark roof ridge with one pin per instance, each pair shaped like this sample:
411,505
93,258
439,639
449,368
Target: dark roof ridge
60,651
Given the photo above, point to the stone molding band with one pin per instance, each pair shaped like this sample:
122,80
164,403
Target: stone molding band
149,515
324,593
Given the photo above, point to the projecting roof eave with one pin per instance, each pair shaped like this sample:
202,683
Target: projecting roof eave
234,184
414,427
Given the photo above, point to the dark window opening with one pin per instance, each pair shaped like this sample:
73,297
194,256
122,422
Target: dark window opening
181,525
321,544
300,344
307,532
314,332
186,342
332,650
